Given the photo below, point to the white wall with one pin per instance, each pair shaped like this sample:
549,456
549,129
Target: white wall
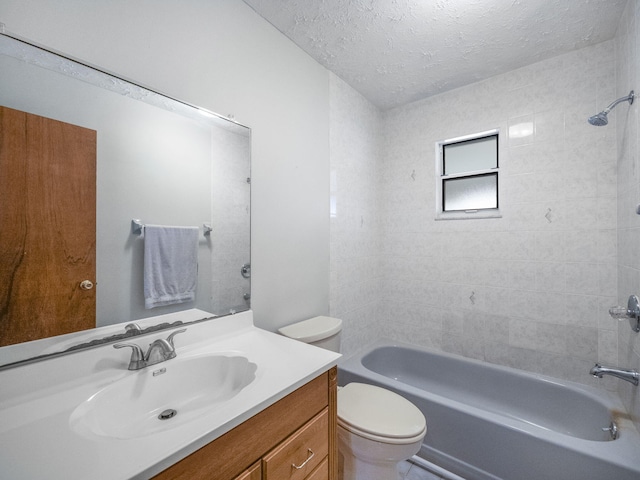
224,57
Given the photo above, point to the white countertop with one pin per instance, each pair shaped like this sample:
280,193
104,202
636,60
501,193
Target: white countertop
37,400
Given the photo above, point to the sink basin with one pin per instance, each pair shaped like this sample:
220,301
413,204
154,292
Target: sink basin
178,390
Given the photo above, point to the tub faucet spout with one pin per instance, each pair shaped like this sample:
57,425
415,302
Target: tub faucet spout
623,373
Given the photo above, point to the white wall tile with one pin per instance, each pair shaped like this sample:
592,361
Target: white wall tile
549,261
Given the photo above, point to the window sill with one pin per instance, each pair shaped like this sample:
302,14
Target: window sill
469,215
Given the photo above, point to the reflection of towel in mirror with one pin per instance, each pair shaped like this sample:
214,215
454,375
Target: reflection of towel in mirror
170,265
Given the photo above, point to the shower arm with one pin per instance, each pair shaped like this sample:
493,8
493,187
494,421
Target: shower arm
629,98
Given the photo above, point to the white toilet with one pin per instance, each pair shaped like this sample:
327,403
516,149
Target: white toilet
377,428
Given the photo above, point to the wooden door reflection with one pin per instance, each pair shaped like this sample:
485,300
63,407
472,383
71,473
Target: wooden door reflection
47,227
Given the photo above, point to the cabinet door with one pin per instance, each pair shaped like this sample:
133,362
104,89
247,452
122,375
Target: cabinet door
301,453
252,473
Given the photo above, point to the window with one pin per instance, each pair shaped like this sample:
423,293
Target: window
467,176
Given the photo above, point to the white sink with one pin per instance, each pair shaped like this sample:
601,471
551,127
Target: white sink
76,413
180,389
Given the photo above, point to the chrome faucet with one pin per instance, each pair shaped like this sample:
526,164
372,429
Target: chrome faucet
159,351
625,374
133,327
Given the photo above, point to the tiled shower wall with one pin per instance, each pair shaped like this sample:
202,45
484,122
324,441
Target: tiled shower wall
530,289
626,119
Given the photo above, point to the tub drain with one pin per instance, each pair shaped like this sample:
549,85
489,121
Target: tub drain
167,414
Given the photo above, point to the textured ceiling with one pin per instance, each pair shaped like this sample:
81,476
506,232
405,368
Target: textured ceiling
398,51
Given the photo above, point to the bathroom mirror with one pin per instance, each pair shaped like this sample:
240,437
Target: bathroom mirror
150,159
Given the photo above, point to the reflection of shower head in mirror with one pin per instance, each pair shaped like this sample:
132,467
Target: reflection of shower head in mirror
601,119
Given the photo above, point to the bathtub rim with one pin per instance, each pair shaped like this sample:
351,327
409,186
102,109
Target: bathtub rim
598,394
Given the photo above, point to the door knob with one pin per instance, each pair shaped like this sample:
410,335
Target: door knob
86,284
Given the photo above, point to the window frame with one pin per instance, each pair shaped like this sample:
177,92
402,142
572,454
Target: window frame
442,214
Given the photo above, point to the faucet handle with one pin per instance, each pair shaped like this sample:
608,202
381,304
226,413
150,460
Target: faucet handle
618,312
137,355
632,312
170,337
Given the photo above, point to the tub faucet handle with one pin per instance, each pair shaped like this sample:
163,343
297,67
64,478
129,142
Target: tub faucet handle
632,312
618,312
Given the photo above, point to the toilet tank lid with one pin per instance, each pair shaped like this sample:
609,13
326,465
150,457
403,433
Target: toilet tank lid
313,329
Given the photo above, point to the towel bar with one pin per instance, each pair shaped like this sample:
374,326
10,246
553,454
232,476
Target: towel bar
137,227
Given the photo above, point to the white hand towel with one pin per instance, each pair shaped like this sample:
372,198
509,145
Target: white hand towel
170,265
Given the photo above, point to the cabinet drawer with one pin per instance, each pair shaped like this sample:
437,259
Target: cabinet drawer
320,473
297,456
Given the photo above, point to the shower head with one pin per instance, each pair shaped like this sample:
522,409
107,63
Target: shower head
601,119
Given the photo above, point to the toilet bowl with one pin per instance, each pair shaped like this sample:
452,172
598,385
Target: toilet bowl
377,428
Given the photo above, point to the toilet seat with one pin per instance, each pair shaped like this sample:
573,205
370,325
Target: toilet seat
380,439
379,414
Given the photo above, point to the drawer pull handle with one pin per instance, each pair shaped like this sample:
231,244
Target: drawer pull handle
310,455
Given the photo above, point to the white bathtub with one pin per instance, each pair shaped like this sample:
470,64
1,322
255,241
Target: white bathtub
490,422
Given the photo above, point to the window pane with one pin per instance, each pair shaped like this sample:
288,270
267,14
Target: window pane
470,193
470,155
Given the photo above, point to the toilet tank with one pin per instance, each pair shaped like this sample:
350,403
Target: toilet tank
323,332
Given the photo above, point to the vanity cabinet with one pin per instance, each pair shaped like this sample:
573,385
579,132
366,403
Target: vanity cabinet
293,439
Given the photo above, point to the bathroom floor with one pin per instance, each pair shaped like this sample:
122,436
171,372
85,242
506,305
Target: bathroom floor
411,471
